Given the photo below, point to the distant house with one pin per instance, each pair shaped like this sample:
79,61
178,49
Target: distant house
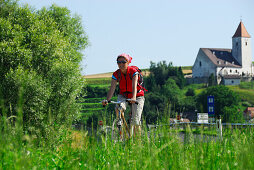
227,66
249,113
231,79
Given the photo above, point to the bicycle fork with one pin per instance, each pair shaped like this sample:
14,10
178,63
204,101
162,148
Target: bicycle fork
121,121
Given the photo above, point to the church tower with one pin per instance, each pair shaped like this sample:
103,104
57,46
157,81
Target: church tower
241,49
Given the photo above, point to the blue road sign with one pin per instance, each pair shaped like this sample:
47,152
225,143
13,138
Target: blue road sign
210,105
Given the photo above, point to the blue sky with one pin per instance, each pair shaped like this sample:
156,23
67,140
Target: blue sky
154,30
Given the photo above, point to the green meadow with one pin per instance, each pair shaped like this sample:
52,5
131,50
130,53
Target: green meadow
63,147
162,148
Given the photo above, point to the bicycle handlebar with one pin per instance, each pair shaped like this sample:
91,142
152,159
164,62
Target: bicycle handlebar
119,102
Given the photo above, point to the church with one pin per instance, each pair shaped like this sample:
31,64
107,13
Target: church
226,66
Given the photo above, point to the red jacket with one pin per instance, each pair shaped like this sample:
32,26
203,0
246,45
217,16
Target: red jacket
125,82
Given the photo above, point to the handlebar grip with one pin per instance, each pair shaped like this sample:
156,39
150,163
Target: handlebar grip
106,104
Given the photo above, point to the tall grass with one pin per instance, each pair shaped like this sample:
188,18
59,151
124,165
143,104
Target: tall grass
164,149
159,148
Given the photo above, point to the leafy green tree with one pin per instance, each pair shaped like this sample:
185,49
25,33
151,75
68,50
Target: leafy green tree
211,80
223,97
232,114
40,52
154,107
150,83
164,84
189,103
190,92
161,72
171,91
180,81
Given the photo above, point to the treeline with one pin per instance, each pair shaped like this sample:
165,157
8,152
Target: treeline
166,97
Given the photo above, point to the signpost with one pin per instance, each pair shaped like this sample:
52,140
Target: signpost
202,117
210,108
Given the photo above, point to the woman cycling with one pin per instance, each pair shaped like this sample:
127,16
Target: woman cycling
127,77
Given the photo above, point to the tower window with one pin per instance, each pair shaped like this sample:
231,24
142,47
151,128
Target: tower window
246,43
230,71
200,64
236,44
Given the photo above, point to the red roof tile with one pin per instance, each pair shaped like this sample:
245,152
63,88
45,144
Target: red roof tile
241,31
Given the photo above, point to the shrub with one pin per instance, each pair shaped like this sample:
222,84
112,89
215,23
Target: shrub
35,94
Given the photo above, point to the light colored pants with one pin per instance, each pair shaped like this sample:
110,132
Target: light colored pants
136,109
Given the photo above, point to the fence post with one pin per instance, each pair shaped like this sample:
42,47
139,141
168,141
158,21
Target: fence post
219,127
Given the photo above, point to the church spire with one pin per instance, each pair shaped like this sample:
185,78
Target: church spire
241,31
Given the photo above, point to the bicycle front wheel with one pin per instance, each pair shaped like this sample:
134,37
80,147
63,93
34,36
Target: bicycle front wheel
118,133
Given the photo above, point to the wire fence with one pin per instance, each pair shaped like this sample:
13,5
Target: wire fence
217,125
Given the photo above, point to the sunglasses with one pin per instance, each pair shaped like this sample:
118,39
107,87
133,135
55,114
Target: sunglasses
123,62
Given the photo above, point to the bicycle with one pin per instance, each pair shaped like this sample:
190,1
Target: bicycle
120,130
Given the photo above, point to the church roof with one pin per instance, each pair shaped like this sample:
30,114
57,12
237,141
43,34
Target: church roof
241,31
221,57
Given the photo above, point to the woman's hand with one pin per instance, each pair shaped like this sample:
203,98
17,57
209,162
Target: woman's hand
104,102
132,100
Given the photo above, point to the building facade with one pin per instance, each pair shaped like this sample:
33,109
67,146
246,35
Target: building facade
226,65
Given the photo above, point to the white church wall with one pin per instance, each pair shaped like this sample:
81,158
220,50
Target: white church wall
228,71
203,67
246,57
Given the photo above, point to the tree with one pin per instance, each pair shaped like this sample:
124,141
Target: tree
232,114
40,55
163,83
161,72
211,80
190,92
154,106
171,91
223,97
